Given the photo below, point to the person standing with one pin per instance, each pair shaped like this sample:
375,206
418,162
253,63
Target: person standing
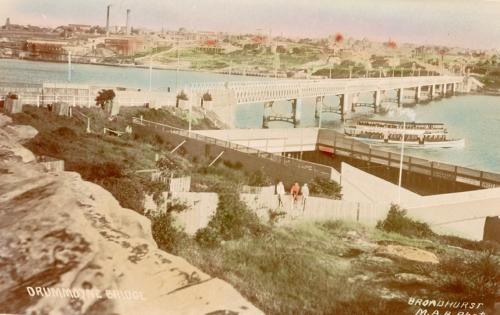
280,190
294,191
305,195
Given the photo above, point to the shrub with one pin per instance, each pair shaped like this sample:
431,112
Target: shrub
258,178
325,188
104,96
232,220
207,97
166,235
128,192
208,237
65,132
475,280
97,171
12,96
237,165
397,221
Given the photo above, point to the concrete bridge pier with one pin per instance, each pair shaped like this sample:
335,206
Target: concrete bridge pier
443,89
377,99
268,106
418,92
355,99
345,105
318,106
453,88
296,111
400,93
432,91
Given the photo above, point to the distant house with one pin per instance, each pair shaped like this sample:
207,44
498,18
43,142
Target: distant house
80,27
46,50
126,46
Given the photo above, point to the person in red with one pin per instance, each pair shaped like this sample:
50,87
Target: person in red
294,191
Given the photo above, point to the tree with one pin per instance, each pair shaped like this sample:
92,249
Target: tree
104,97
12,96
207,97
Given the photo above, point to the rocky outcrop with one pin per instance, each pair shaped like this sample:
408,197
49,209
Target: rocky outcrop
68,247
407,252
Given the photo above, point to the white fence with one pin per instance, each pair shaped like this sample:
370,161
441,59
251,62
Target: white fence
201,207
267,190
315,208
180,184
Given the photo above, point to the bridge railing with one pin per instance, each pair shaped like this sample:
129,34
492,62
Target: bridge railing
330,140
318,170
418,80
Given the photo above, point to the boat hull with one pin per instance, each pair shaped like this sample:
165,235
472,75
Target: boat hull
454,143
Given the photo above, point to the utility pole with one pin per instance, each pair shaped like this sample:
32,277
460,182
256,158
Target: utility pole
401,162
69,66
276,64
177,70
150,70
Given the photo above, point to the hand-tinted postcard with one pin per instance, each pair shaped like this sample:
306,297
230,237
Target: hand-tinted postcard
249,157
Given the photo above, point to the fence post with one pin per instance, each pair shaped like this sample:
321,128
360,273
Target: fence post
357,213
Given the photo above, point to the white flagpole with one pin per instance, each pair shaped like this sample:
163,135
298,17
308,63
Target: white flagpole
150,70
69,66
401,162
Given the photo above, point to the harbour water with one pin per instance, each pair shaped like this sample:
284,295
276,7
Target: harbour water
473,117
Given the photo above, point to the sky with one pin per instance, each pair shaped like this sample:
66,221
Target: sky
463,23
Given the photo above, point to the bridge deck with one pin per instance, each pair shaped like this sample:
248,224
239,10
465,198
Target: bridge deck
275,90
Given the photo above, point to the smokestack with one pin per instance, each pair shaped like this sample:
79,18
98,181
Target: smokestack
128,22
107,21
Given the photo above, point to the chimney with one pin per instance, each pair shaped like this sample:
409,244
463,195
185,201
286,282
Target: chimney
107,21
128,22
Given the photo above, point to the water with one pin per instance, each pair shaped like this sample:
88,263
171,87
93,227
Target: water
473,117
38,72
476,118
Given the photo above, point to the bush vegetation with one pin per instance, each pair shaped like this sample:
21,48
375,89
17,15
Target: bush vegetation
104,96
232,219
327,188
167,235
397,221
474,279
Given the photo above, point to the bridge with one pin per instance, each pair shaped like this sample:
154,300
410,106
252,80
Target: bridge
225,95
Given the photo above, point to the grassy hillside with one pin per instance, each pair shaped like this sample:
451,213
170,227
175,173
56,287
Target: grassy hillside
108,160
328,267
339,268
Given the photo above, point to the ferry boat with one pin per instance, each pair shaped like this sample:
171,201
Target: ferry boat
417,135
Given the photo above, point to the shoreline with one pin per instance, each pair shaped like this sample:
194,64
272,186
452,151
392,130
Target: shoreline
138,66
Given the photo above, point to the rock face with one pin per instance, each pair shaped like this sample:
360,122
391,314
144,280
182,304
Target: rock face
68,247
408,252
